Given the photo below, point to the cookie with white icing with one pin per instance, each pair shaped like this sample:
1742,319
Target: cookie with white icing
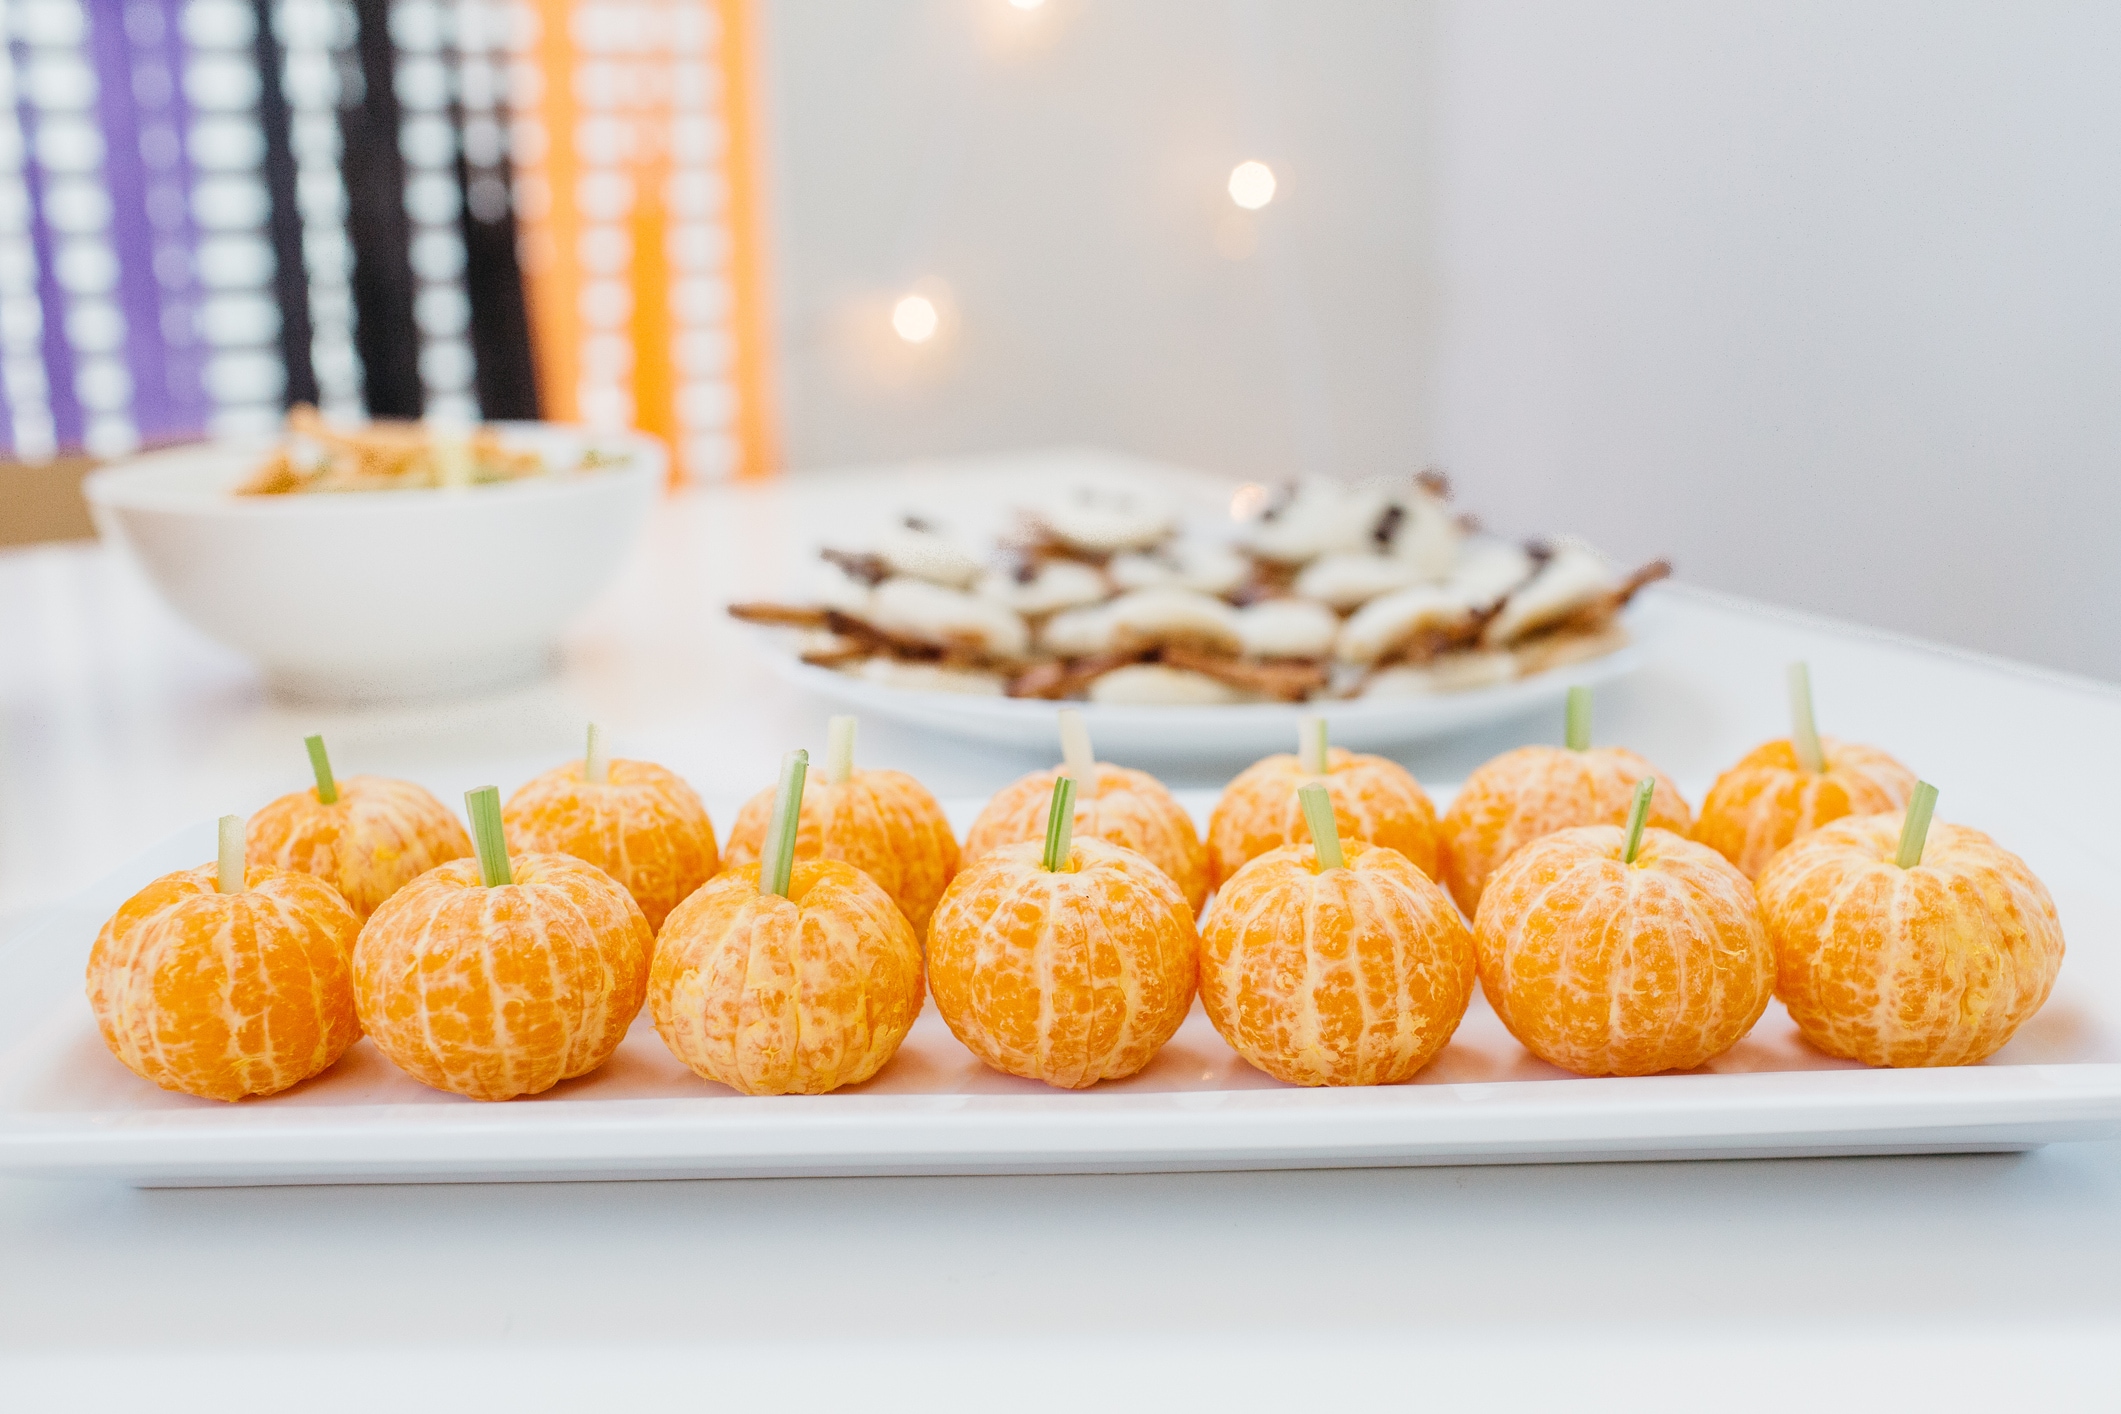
1105,520
916,548
1348,580
949,618
830,587
1045,588
1077,633
1384,627
1287,628
1314,517
1418,529
1488,570
1572,580
1150,618
1182,564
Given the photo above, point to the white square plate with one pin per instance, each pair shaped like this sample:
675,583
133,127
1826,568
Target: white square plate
68,1109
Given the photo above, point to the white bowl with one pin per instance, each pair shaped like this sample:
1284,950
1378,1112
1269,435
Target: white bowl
380,595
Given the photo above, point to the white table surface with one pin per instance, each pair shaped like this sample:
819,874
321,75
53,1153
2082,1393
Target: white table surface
1978,1281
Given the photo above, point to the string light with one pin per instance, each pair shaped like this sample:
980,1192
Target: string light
915,319
1252,185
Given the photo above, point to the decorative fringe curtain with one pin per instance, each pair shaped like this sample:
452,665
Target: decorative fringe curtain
211,210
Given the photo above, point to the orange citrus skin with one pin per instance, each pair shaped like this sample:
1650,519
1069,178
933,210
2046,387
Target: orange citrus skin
1374,800
376,838
1349,976
645,828
1535,790
1768,799
1069,976
494,993
227,995
1131,809
787,996
1934,965
1607,968
884,823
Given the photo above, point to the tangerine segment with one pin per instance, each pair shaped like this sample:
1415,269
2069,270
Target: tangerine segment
499,992
227,995
787,996
1769,799
1070,976
1935,965
644,827
1351,976
1131,809
884,823
376,838
1373,799
1607,968
1536,790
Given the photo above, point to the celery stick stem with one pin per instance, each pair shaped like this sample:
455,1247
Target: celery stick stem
1915,828
487,837
228,878
1317,804
1060,824
320,764
777,863
1638,818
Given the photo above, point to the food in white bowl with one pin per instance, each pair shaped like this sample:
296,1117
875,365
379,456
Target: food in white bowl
1330,592
393,455
392,594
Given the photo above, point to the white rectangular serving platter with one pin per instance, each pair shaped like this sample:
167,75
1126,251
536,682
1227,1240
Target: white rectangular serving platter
69,1110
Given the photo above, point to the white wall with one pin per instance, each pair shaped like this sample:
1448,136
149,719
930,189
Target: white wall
1823,300
1059,178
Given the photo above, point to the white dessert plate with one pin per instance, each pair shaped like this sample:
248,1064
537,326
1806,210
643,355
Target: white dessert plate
69,1110
1150,736
978,501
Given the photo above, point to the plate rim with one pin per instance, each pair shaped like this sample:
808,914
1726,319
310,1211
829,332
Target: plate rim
1626,659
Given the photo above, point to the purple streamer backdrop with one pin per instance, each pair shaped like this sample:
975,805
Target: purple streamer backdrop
58,354
132,235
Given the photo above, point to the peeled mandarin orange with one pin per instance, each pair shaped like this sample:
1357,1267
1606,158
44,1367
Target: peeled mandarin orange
1608,968
642,825
884,823
1348,976
374,839
1937,964
1769,799
1127,808
787,996
1374,800
1535,790
227,995
503,991
1070,976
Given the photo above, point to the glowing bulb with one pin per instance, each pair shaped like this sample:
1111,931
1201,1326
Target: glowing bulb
1026,4
1248,501
1252,185
915,319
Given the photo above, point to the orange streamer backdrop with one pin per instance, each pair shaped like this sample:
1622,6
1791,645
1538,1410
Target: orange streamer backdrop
641,220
